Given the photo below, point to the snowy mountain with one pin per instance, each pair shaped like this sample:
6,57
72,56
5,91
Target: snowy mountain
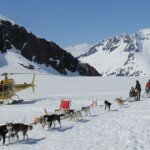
124,55
78,49
37,50
13,62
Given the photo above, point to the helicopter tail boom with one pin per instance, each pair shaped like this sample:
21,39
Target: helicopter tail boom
33,80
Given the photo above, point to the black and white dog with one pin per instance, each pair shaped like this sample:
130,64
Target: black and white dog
3,132
86,110
18,127
107,104
49,119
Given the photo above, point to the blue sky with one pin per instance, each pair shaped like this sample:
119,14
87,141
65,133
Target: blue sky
70,22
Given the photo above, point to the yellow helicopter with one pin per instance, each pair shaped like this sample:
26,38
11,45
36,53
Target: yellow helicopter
8,89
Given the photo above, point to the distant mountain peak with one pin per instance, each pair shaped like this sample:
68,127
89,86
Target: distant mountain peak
78,49
145,31
124,55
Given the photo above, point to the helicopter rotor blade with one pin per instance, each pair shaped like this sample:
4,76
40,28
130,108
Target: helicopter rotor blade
4,74
18,73
30,73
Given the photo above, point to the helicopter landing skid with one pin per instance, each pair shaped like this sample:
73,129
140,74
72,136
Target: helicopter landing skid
12,101
16,102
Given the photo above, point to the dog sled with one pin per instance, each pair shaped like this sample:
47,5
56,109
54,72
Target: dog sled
64,105
133,95
132,99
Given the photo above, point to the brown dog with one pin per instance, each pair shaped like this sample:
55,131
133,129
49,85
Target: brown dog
120,101
94,103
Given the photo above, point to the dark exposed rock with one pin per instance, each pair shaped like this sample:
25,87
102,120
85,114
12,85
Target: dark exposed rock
31,67
84,68
40,51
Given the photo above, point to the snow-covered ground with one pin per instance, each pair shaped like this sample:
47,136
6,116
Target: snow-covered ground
12,61
126,128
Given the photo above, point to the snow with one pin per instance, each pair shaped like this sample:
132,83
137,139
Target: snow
11,61
125,128
110,62
6,19
144,32
69,73
78,49
105,61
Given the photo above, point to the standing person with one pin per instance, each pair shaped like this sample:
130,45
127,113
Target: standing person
138,89
147,88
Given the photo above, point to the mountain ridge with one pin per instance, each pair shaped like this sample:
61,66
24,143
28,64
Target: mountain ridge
124,55
40,50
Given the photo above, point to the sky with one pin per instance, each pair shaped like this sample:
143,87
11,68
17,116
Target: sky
70,22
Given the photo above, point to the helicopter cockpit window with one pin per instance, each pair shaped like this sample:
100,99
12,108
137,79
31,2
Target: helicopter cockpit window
6,88
1,88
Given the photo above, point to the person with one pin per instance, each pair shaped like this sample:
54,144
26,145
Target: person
132,92
147,88
138,89
6,76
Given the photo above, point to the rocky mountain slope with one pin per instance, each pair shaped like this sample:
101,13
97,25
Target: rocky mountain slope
124,55
39,50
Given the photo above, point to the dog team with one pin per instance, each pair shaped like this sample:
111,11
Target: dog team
12,129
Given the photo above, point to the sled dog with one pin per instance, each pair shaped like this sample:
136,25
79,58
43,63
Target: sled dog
86,110
94,103
76,115
18,127
120,101
107,104
3,132
48,120
69,111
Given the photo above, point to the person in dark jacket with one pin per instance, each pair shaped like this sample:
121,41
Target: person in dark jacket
132,92
138,89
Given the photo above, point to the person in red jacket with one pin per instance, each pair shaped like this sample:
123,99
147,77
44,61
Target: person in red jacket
147,88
